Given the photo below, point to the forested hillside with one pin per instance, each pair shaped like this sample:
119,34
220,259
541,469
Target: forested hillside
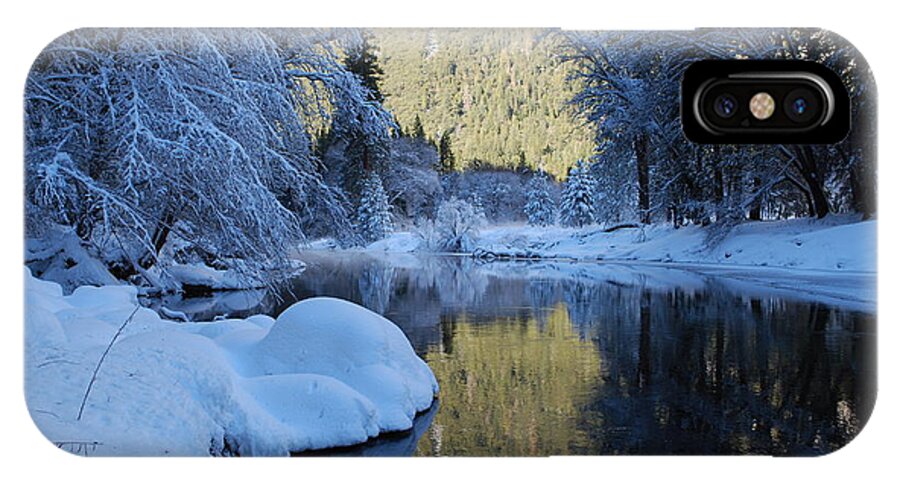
500,95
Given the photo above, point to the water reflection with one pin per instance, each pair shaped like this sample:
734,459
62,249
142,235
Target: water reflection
547,359
511,387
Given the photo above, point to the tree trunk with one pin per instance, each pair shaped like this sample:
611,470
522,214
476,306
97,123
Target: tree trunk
862,189
158,240
806,165
643,174
756,207
366,164
718,184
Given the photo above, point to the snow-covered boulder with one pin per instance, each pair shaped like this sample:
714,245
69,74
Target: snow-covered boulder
362,349
326,373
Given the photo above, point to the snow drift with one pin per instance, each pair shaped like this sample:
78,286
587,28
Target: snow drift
325,373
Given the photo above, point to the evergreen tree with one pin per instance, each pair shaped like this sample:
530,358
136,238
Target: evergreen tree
577,203
373,215
363,152
361,60
418,130
445,151
540,208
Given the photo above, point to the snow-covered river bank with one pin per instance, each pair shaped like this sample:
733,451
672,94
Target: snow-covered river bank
837,243
104,376
832,260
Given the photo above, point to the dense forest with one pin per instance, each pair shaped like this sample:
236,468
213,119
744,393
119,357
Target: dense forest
228,148
497,97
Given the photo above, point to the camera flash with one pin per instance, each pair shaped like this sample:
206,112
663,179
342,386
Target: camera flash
762,105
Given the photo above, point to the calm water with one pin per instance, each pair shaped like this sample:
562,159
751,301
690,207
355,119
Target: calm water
557,358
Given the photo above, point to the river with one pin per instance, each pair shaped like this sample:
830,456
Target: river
562,358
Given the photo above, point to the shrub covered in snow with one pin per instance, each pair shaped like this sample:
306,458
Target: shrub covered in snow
454,228
325,373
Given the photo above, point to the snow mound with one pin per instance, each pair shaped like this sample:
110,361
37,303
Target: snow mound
326,373
342,340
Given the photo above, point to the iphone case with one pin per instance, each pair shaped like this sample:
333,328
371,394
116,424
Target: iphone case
437,242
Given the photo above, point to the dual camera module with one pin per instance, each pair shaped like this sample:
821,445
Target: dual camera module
763,102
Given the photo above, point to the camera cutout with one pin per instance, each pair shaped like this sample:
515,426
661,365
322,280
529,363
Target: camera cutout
780,101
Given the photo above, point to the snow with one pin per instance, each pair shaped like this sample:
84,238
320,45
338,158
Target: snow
404,242
58,256
831,260
200,275
836,244
325,373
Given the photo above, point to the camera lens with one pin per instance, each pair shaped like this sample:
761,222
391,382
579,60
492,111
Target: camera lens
801,105
725,105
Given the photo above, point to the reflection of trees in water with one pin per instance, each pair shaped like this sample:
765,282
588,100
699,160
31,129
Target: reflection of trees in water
457,281
721,374
511,388
543,294
376,286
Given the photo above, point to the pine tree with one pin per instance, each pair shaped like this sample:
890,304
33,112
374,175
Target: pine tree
361,59
418,130
540,208
373,215
577,203
445,150
363,152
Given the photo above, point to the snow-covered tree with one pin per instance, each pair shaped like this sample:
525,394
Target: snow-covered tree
648,171
540,208
577,203
629,83
362,129
498,193
136,136
412,181
477,202
456,226
373,214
